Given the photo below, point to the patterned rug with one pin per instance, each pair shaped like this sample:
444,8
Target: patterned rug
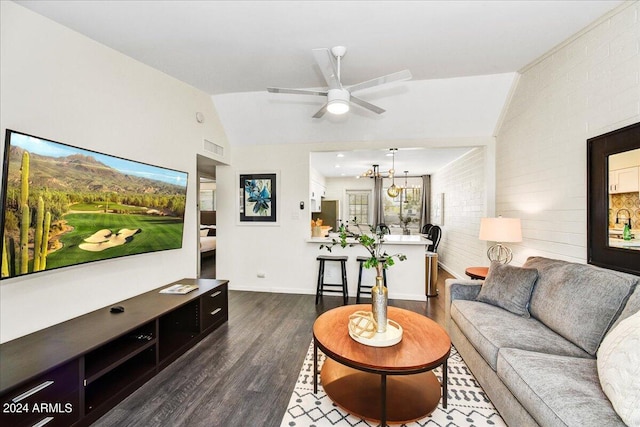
468,405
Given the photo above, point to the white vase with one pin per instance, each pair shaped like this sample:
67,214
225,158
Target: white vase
379,296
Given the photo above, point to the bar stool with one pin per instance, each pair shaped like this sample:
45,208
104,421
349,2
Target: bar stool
342,286
364,288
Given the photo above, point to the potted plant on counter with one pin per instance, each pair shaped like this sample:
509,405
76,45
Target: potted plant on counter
378,259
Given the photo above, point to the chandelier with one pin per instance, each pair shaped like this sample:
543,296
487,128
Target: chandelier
371,173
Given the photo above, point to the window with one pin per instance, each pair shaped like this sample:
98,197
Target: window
358,206
406,205
207,200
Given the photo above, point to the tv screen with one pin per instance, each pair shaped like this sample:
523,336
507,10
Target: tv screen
64,205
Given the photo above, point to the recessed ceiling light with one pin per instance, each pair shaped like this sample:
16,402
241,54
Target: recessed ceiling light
337,166
339,155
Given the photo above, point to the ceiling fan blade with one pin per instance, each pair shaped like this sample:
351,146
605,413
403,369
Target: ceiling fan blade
367,105
328,67
393,77
321,111
297,91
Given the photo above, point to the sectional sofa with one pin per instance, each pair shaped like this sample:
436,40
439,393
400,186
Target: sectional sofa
552,343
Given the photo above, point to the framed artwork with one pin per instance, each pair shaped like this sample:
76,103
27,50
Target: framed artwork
258,198
437,215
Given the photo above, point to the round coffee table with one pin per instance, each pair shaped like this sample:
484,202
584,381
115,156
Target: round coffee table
355,375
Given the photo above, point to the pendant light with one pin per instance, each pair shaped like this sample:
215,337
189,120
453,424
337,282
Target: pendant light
405,186
393,191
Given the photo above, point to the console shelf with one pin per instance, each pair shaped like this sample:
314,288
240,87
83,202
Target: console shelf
117,352
72,373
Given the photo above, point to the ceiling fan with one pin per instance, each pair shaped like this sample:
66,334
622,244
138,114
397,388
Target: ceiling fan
339,96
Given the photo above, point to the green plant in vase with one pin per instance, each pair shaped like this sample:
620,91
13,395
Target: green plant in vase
378,259
404,222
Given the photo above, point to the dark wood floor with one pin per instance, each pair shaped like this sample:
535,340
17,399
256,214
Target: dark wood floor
208,266
244,372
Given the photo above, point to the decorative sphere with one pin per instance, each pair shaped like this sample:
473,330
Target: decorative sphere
500,253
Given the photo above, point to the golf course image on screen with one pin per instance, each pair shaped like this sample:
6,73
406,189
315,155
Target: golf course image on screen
64,205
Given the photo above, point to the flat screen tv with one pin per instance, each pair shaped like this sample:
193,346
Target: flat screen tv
64,205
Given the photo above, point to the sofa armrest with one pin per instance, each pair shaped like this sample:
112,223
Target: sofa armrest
466,289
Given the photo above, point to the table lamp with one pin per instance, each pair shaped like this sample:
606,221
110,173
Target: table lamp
500,230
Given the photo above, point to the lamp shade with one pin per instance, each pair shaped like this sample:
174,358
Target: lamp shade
500,229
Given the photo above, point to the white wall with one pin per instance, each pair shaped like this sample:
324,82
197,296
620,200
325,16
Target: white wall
466,186
587,87
59,85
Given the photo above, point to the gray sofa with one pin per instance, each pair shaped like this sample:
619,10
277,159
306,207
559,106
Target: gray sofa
539,368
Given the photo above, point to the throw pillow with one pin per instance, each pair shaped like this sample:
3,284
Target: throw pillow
619,369
508,287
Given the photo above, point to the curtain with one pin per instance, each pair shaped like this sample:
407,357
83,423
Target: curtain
378,203
426,201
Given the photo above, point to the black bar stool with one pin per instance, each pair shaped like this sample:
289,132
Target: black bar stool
363,288
342,286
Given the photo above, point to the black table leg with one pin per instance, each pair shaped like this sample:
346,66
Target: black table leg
444,384
383,395
315,367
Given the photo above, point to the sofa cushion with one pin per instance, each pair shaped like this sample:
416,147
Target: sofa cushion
578,301
557,390
509,287
619,369
630,308
490,328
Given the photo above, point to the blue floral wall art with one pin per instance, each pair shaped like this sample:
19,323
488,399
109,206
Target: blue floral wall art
258,197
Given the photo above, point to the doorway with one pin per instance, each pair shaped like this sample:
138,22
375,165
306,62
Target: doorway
207,224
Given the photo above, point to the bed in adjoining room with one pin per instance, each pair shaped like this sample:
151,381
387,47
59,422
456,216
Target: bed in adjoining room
207,233
207,240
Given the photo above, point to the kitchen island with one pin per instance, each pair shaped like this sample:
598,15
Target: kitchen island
406,279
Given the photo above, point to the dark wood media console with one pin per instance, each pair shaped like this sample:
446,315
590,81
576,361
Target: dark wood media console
72,373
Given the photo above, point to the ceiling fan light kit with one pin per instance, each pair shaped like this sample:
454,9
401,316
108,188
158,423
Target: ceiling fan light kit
338,101
339,98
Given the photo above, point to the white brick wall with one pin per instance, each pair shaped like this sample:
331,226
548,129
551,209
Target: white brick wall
463,185
588,87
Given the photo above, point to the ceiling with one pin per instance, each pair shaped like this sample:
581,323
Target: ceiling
239,46
353,163
463,56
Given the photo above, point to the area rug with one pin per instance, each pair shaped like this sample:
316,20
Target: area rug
468,405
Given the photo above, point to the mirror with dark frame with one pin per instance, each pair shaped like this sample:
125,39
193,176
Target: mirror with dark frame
613,199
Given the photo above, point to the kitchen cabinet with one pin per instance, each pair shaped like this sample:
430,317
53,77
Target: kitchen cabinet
317,192
624,180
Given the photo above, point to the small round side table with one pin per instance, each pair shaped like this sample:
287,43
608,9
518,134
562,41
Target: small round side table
477,272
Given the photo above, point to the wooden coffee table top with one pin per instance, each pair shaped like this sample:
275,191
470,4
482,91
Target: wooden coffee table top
424,345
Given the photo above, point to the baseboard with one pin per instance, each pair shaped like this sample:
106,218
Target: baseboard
451,271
